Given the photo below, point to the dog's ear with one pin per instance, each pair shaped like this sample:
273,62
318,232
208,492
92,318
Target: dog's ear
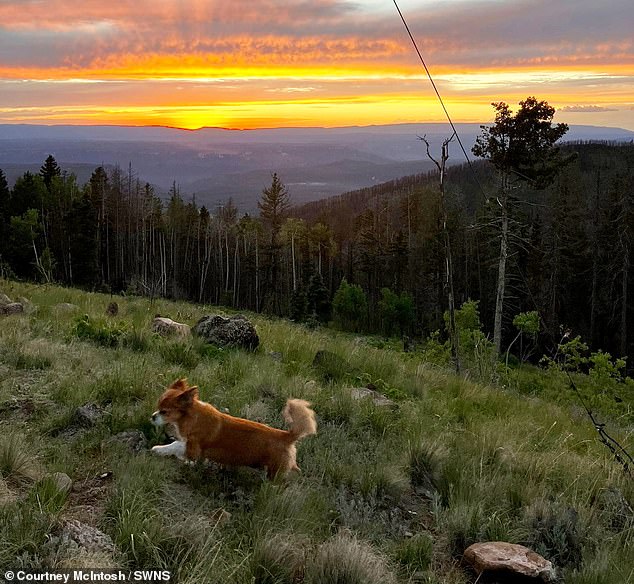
179,384
188,396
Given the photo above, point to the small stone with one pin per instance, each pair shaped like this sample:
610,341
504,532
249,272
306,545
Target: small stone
113,309
62,481
166,327
133,440
65,307
220,516
88,415
379,400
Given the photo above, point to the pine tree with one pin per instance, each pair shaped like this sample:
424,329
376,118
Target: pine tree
49,170
522,148
274,207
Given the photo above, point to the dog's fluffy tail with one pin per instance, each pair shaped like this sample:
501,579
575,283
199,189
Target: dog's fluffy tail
300,418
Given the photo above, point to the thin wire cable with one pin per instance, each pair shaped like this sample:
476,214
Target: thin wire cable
442,103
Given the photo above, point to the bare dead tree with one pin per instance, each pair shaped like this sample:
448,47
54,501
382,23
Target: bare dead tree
448,284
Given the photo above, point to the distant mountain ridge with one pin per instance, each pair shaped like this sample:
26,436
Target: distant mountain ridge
215,163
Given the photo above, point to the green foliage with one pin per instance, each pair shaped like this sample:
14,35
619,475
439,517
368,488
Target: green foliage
415,553
477,352
523,143
319,305
349,305
527,322
99,331
604,367
299,305
456,462
396,310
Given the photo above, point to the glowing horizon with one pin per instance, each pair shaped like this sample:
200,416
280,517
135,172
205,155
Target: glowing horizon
267,63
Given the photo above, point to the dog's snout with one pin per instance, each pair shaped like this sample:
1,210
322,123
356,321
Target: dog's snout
157,419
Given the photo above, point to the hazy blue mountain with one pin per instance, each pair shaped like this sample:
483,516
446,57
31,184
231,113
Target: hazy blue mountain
215,164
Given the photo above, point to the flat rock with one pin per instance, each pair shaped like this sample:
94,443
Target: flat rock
133,440
62,481
233,331
65,307
379,400
166,327
89,538
508,559
88,415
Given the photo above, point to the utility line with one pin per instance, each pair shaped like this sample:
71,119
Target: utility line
442,103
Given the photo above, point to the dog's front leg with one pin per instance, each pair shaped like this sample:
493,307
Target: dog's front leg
193,451
176,448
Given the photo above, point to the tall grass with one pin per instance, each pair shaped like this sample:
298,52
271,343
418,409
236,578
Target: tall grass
385,495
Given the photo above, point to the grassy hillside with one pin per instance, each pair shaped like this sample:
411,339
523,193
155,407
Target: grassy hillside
386,495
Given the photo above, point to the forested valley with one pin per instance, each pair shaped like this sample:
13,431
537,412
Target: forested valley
367,261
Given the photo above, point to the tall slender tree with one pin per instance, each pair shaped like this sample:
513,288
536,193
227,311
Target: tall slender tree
522,149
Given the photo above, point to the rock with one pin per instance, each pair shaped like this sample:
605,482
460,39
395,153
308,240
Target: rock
358,393
62,481
133,440
6,494
4,299
508,559
166,327
27,305
89,538
113,309
88,415
11,308
65,307
220,516
234,331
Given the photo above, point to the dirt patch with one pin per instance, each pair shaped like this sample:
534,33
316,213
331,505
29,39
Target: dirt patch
87,499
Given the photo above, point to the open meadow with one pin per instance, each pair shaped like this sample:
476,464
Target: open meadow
387,493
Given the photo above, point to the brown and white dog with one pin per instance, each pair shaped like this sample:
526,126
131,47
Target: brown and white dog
204,433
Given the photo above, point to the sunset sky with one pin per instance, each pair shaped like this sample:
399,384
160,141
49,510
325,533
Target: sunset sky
268,63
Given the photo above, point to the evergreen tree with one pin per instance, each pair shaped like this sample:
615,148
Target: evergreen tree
274,207
318,298
4,214
28,193
522,148
49,170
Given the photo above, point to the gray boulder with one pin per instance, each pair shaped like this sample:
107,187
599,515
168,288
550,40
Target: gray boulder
233,331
